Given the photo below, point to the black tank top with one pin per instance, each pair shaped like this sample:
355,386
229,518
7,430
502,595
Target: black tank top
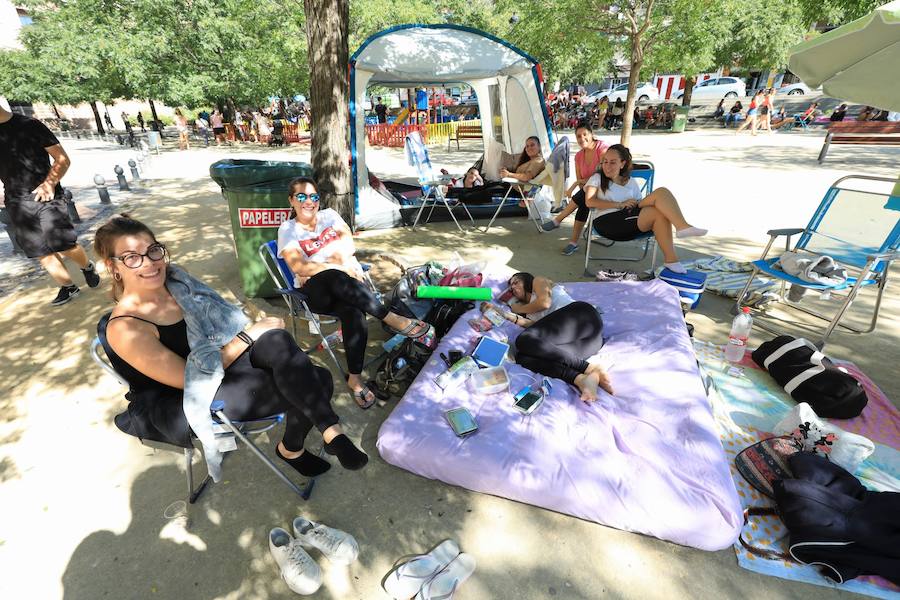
174,337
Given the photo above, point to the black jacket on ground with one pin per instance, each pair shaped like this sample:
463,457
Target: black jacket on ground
836,523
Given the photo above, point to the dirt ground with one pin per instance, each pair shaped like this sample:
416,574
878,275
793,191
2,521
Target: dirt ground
90,513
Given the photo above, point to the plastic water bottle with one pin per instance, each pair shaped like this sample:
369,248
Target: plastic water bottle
740,333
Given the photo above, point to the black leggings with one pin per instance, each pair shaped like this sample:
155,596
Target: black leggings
272,376
582,212
333,292
558,344
480,194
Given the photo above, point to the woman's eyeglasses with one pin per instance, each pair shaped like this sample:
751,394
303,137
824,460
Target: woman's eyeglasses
133,260
304,197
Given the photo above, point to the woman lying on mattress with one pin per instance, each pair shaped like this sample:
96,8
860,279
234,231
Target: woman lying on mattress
560,333
623,214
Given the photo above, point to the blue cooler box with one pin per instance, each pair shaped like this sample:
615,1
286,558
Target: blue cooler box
690,285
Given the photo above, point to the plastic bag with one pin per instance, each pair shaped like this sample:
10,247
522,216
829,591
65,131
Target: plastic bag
459,274
543,202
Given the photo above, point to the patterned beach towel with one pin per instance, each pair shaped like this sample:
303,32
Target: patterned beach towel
746,407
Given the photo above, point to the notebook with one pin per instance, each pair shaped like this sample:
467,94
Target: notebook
490,352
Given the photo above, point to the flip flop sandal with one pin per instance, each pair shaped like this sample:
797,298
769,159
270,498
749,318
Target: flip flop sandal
426,330
408,578
445,583
360,396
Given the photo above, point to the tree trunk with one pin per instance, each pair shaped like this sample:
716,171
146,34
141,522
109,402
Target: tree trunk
97,118
155,125
327,24
689,83
634,74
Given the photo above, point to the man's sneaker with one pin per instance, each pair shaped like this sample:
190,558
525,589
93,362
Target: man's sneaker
90,276
66,293
337,546
299,571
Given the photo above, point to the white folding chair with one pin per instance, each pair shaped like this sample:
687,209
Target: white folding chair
432,192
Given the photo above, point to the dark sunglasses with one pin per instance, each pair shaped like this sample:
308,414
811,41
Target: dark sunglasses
133,260
303,197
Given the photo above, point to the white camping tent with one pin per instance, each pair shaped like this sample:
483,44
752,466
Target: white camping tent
508,83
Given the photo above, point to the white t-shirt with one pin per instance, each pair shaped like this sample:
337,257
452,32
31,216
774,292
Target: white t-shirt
616,193
323,245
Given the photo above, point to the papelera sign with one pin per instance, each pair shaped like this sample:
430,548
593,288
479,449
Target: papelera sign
262,217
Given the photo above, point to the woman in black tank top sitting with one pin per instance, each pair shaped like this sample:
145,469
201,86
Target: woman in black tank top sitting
266,373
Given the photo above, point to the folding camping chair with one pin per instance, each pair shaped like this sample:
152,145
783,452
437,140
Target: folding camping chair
296,300
646,171
432,194
555,175
858,225
223,427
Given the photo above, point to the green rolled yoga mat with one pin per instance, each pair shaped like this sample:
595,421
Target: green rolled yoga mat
453,293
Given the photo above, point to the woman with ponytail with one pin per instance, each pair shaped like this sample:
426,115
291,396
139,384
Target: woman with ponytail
624,214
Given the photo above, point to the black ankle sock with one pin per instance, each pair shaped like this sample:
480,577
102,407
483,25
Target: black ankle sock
351,457
307,464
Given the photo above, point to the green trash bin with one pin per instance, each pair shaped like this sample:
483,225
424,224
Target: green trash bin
681,118
256,192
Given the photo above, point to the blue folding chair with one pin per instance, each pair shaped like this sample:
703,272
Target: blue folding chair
858,225
224,428
296,300
432,194
645,171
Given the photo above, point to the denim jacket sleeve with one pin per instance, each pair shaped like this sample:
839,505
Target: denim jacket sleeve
211,323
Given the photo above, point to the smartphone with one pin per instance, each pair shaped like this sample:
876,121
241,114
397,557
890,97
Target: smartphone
528,400
506,296
461,421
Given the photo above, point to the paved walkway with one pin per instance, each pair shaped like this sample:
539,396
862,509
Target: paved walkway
89,512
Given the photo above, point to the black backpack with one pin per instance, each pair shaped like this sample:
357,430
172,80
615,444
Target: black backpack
810,376
445,313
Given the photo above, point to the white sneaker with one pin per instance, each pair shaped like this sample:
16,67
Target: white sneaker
299,571
338,546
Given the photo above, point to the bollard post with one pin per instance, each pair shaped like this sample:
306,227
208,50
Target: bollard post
70,206
100,182
135,175
140,161
120,175
4,218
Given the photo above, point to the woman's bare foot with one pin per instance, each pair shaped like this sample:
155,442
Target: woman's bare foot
587,384
602,377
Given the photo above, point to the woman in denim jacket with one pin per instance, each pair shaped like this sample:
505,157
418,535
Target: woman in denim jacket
180,346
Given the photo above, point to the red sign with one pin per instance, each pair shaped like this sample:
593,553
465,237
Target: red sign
262,217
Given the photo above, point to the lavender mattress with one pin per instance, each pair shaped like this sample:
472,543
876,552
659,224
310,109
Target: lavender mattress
647,460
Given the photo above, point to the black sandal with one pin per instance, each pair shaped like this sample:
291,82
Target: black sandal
425,329
361,396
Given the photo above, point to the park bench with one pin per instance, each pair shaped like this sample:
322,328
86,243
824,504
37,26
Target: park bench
464,132
870,133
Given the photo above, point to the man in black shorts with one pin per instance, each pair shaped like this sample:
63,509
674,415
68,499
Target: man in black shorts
35,202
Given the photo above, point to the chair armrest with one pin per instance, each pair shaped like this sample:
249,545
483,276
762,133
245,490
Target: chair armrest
888,256
780,232
365,267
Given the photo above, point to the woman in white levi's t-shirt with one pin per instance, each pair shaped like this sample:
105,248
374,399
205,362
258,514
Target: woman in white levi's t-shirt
624,214
318,247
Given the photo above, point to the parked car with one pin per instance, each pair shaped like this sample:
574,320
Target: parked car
645,92
794,89
716,88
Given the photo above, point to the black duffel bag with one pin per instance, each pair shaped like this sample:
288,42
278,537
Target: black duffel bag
809,376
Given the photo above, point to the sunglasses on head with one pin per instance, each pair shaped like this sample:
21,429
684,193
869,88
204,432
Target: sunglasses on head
301,197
